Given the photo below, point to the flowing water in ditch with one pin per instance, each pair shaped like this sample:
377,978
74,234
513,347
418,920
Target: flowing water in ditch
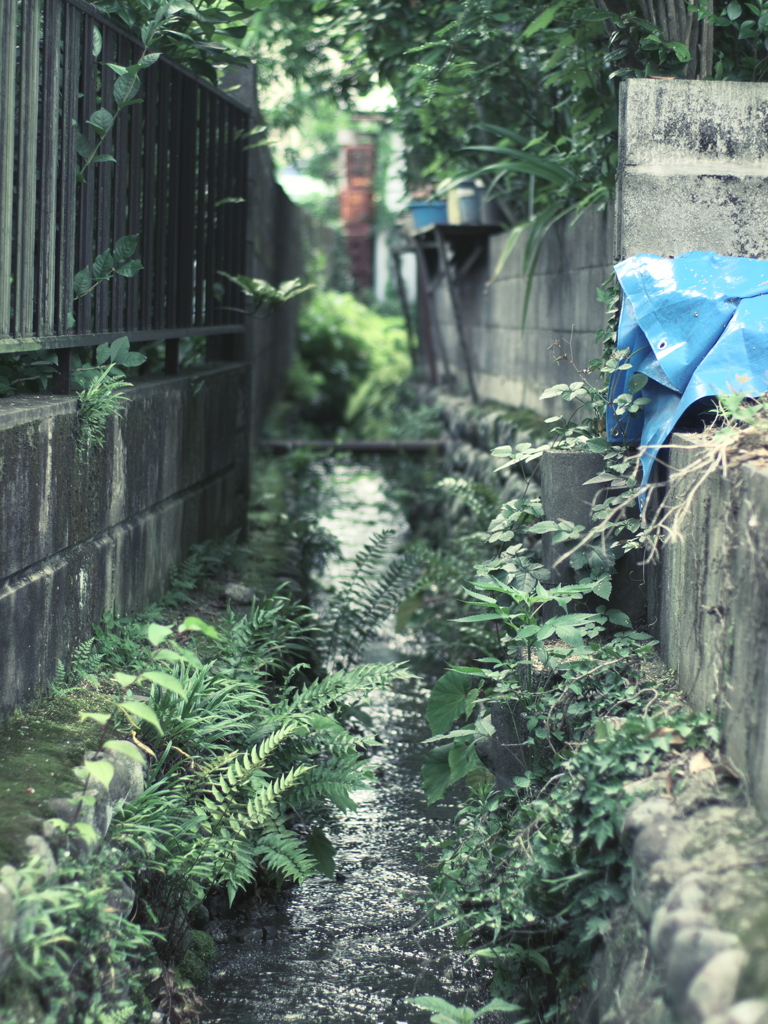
351,950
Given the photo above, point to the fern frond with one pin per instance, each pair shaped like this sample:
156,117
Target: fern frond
285,853
260,804
378,583
477,498
345,683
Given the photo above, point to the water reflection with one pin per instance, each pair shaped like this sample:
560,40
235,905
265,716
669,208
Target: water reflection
352,949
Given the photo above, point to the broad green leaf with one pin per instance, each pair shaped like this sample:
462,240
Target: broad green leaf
101,771
101,121
135,709
102,265
119,348
636,382
125,89
618,618
157,634
129,269
82,282
733,10
436,773
682,52
461,759
133,359
447,702
125,247
500,1005
123,679
96,42
199,626
148,60
321,848
442,1011
569,635
602,587
84,146
95,716
125,747
547,526
86,832
164,680
542,21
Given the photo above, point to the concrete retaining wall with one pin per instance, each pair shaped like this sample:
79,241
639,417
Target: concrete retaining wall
513,365
709,604
80,535
693,168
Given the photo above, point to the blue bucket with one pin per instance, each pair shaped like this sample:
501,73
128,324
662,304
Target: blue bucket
432,211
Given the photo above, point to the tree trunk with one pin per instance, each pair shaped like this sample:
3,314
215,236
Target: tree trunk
676,22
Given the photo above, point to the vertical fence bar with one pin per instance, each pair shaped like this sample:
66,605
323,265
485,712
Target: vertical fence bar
161,204
26,194
240,156
105,175
120,182
135,285
7,131
72,34
222,212
178,84
185,192
214,171
201,208
149,198
49,167
86,205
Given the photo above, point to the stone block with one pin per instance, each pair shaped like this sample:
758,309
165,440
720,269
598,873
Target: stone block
693,159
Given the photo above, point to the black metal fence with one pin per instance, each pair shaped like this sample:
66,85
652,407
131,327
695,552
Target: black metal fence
177,181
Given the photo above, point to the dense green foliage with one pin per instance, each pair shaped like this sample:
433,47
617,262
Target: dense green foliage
533,872
538,82
350,362
246,744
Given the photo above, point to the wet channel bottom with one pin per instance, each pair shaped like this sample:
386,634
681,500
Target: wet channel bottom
353,949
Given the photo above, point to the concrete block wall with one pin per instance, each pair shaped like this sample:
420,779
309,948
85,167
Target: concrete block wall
512,365
693,168
709,601
81,535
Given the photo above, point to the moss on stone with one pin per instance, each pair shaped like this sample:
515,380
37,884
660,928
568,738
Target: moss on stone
39,747
199,958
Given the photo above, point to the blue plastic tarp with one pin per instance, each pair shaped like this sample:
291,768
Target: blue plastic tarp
696,326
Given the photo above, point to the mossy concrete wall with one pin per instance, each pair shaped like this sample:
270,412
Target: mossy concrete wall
708,600
693,168
85,534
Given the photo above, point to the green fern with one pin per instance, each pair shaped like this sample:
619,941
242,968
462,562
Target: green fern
477,500
377,584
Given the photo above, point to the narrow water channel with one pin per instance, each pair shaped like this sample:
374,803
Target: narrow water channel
351,950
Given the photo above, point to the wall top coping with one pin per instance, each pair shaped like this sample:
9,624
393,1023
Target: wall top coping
674,121
20,409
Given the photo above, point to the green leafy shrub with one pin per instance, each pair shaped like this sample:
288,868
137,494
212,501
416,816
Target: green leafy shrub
350,362
533,873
